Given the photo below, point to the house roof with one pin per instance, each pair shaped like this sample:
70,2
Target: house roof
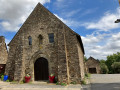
91,58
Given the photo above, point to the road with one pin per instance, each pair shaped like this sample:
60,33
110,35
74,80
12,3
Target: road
104,82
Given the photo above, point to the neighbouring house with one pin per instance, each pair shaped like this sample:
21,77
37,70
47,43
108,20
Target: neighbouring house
44,45
93,66
3,54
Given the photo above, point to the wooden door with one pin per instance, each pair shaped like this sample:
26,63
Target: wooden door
41,69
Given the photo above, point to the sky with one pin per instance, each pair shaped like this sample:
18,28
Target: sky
92,19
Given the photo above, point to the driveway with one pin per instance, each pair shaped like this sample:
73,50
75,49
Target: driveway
105,82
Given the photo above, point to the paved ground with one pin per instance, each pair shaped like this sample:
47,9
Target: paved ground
37,86
104,82
98,82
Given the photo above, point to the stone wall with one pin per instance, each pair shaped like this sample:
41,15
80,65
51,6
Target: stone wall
3,51
14,62
81,59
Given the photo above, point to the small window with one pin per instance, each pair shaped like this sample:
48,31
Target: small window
40,39
30,40
51,37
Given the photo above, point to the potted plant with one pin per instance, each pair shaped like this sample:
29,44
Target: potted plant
51,78
27,78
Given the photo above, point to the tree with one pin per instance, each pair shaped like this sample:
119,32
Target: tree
104,68
102,61
116,67
85,58
111,59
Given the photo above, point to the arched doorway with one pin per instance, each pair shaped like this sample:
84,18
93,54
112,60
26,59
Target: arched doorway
41,69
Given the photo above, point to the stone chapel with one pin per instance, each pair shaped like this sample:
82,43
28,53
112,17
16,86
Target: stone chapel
44,45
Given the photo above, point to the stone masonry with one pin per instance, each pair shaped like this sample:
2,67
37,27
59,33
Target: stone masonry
64,55
3,51
3,54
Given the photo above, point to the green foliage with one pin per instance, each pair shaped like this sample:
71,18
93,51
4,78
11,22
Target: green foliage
58,83
8,80
63,84
116,67
73,83
111,59
2,77
85,58
102,61
1,74
104,68
87,75
83,81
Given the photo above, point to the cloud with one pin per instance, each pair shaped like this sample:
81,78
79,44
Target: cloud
101,45
105,23
69,22
14,12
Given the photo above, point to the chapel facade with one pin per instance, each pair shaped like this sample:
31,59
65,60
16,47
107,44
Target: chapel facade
44,45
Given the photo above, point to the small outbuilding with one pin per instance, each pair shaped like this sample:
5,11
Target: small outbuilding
93,66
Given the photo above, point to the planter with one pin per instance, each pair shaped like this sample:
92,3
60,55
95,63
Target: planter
27,79
5,77
51,79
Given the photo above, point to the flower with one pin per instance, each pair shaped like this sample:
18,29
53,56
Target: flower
27,75
52,75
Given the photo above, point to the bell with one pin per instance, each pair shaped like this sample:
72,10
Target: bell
117,21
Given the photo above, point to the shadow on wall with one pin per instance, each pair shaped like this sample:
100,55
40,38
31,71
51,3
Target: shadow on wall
2,68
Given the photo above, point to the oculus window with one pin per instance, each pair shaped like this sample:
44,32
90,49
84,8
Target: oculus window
51,37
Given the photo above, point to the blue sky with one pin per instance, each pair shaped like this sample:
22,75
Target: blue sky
93,20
